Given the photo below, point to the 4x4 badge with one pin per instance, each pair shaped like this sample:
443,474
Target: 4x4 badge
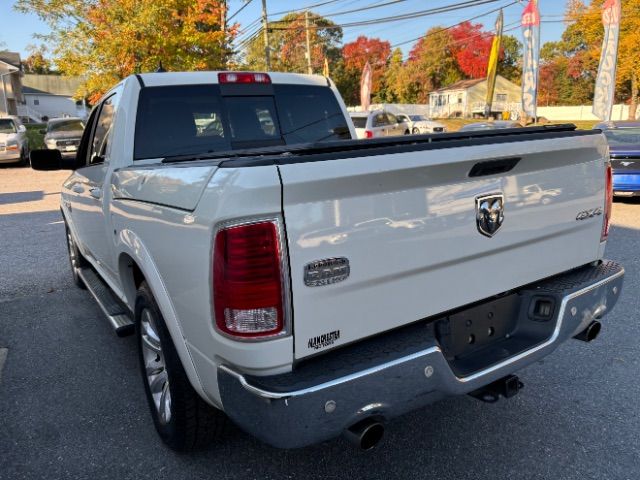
489,213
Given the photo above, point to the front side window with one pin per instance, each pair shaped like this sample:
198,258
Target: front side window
102,132
392,118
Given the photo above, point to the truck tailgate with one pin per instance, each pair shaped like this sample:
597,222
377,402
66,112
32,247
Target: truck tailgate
406,223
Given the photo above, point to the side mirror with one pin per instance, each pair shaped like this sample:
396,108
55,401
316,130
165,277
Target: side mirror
46,160
42,131
22,129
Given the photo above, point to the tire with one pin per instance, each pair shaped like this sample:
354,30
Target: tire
407,132
24,157
183,420
76,260
415,131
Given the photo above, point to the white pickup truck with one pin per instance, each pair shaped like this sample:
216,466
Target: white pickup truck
304,284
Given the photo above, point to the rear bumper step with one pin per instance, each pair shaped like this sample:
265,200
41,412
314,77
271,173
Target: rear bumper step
401,371
116,313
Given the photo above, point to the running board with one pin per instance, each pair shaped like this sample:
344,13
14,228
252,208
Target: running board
116,313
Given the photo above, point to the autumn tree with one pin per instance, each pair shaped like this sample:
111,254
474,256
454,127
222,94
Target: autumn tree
580,50
354,57
37,62
470,45
104,41
287,44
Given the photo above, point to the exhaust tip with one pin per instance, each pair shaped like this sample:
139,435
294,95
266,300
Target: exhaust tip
365,434
590,333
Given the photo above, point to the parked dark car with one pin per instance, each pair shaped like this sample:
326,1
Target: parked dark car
624,147
64,134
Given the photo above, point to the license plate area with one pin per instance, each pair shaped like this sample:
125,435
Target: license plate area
479,336
471,330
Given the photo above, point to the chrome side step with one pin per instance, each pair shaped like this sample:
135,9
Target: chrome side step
117,314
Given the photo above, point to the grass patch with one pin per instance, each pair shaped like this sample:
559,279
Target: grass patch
36,139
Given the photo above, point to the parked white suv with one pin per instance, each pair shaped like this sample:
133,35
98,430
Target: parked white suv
14,146
378,123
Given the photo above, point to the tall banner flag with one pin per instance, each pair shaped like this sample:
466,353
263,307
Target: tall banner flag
365,87
606,80
531,59
493,64
325,67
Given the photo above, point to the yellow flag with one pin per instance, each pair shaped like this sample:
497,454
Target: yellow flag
325,68
493,65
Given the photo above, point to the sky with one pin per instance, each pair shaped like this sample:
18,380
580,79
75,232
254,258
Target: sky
18,29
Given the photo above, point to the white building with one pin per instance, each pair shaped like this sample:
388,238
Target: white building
10,85
51,96
466,98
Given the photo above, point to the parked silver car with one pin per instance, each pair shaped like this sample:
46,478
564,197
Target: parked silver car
378,123
64,134
14,145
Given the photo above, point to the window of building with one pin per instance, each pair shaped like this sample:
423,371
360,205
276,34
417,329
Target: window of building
501,97
36,101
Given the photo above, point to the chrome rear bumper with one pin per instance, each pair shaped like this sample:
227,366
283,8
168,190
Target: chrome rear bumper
318,402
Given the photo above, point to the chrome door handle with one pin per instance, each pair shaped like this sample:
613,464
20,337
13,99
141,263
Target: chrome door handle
95,192
77,189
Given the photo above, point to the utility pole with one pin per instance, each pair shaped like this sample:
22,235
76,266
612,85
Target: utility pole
265,33
306,24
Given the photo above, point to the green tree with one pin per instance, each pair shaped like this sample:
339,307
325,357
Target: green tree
510,64
104,41
287,44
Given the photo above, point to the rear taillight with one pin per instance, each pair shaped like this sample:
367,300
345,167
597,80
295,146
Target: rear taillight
247,280
608,201
368,134
243,77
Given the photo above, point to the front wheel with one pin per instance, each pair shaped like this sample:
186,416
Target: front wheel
416,131
182,419
406,132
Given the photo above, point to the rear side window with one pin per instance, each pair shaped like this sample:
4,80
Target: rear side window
380,120
359,122
197,119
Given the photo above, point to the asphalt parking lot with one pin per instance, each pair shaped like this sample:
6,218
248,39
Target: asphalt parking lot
72,403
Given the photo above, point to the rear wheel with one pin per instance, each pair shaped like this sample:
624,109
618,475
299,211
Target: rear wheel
415,131
182,419
76,260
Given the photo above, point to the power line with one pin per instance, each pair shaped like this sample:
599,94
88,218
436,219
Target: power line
246,4
393,18
454,25
283,12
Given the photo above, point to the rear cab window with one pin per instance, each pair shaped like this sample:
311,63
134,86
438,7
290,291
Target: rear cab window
197,119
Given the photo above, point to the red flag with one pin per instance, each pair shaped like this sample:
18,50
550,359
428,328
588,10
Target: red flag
365,87
530,15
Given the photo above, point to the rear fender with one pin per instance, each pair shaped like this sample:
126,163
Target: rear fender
134,247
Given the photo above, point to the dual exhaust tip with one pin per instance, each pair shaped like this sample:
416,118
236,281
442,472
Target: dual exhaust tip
365,434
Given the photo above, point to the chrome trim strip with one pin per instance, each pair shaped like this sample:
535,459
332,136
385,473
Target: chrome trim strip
354,376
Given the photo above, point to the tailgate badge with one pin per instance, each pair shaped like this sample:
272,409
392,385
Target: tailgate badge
489,213
326,271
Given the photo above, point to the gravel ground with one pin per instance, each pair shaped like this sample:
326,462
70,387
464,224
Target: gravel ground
72,405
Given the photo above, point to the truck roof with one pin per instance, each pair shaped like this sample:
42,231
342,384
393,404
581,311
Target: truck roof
193,78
